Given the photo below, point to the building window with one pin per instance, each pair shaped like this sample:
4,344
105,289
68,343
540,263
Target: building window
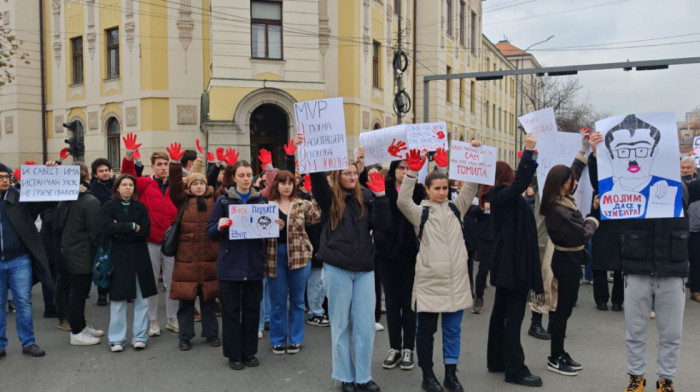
472,93
396,6
493,113
266,25
488,107
461,93
448,83
474,33
375,64
77,48
449,17
462,23
114,142
113,53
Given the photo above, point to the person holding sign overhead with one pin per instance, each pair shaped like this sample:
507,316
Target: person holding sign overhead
350,212
441,286
240,267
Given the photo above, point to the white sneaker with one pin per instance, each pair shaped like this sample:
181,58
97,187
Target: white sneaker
83,339
173,325
378,327
98,333
154,328
139,345
260,335
115,348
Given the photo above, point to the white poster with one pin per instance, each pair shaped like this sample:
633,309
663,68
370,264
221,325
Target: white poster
49,183
384,145
427,136
539,123
473,164
696,151
322,123
253,221
638,175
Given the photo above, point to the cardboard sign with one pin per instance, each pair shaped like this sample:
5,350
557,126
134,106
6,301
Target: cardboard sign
252,221
539,123
638,176
696,151
427,136
384,145
44,183
322,123
473,164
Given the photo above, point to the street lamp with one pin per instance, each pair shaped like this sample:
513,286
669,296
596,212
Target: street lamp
519,107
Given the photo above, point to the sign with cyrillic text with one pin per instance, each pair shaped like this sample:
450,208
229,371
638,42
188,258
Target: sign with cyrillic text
252,221
473,164
539,123
49,183
427,136
322,123
384,145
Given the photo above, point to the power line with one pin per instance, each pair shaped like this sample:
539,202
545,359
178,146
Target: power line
558,12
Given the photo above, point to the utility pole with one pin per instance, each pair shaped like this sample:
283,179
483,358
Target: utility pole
402,101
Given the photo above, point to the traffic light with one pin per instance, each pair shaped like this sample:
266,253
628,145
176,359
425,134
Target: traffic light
76,147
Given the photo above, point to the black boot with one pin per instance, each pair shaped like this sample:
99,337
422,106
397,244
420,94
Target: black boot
451,382
537,331
430,383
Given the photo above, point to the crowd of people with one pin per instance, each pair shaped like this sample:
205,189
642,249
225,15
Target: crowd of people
343,236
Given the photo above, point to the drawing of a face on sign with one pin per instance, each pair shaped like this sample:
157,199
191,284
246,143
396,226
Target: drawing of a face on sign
264,222
632,147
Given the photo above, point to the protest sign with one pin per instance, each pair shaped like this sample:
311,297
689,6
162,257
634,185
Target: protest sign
427,136
322,123
384,145
539,123
253,221
473,164
49,183
638,176
696,151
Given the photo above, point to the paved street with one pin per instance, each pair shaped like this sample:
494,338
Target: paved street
595,338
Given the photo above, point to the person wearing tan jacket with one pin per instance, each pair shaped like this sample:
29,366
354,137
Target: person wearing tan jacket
441,284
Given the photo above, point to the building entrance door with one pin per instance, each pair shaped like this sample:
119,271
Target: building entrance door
268,130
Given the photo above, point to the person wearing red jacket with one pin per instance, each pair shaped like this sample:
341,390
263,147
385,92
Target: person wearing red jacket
153,191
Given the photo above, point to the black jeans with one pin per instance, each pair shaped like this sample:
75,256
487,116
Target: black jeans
566,267
694,257
504,351
481,275
80,285
62,291
185,318
397,278
377,294
601,291
240,304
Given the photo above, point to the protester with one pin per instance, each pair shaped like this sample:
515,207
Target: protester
239,268
81,233
194,273
288,259
126,227
22,256
688,175
515,268
546,249
315,291
569,232
153,192
441,286
481,216
349,213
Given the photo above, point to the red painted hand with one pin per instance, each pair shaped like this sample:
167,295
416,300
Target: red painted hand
210,157
231,157
415,163
376,182
174,151
290,148
396,148
130,142
441,158
64,153
307,183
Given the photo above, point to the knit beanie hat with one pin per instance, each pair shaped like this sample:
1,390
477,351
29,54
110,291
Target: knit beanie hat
4,168
195,177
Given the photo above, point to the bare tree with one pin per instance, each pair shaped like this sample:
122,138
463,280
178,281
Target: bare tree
10,54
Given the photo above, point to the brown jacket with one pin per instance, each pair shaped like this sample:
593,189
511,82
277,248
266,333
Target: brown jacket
195,260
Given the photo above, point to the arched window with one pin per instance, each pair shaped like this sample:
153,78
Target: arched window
113,143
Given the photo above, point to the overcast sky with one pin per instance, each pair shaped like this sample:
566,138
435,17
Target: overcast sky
612,23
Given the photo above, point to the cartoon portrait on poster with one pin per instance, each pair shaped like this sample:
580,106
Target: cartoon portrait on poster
638,167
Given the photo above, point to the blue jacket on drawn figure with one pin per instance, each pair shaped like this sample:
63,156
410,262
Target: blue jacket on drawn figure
238,260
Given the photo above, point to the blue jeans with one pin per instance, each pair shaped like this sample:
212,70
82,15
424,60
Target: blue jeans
264,305
117,319
294,283
315,292
16,274
350,306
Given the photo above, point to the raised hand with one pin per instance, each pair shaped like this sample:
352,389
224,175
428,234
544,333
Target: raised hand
220,154
200,150
18,174
231,156
396,148
265,157
224,223
290,147
130,143
585,138
415,163
298,139
441,157
174,151
210,157
307,183
376,182
595,139
63,154
530,142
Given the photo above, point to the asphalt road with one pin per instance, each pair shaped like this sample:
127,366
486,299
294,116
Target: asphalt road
595,338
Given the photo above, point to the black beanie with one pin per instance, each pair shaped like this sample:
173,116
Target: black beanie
5,169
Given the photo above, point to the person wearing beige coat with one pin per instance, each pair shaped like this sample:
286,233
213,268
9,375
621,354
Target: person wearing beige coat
441,284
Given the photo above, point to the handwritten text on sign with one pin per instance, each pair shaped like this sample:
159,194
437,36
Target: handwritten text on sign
384,145
44,183
539,123
473,164
322,123
253,221
427,136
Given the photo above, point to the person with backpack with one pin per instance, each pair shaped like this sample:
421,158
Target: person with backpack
441,285
481,216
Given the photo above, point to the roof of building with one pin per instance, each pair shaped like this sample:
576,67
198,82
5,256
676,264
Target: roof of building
509,49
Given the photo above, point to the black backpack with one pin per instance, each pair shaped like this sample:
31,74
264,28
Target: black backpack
424,218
